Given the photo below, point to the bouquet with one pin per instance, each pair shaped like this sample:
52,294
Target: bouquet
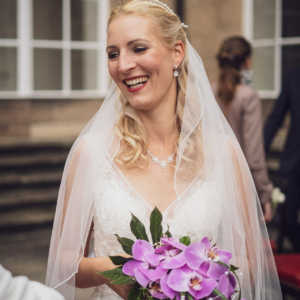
172,268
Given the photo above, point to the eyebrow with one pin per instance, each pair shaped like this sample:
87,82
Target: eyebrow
129,43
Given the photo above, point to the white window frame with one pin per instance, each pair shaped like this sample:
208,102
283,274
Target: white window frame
25,46
278,41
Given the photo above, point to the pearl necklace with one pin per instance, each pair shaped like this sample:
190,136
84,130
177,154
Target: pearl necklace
162,163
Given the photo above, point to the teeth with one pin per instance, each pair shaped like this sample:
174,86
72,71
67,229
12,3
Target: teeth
136,86
136,80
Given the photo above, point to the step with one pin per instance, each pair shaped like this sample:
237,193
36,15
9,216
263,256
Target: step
23,196
27,217
27,144
31,160
34,178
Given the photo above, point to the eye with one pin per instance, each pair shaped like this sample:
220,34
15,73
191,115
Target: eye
113,55
140,49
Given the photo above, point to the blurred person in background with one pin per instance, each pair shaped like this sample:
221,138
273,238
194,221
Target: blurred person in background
289,100
241,106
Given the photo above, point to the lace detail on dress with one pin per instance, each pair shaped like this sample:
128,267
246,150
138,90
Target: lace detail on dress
116,200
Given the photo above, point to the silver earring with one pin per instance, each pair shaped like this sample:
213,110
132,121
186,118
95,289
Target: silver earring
175,72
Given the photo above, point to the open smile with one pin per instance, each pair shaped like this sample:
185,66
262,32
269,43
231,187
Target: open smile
136,83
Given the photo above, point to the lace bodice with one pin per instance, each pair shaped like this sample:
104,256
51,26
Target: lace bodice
117,199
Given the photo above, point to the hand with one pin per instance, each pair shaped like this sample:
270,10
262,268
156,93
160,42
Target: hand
268,213
121,290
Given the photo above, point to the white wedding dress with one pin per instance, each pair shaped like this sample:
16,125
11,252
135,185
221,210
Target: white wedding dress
115,202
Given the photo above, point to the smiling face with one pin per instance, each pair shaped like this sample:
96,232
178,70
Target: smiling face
141,63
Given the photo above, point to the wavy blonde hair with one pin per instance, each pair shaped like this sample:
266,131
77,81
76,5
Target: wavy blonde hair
130,129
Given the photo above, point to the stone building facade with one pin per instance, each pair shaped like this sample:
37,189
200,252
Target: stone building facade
209,21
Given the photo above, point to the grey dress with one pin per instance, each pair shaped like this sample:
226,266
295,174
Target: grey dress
244,116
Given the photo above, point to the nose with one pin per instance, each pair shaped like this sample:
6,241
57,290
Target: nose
126,63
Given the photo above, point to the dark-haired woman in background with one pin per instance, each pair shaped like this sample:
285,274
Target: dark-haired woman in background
241,107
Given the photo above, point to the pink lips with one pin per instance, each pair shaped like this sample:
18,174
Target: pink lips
136,89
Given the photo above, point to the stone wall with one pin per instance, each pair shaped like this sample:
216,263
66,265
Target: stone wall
15,117
210,21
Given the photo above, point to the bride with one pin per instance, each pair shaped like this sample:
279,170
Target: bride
160,140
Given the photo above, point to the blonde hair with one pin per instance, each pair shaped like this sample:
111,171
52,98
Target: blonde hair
132,152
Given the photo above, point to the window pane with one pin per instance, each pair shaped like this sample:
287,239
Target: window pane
47,19
290,58
8,19
264,19
84,69
47,69
8,69
84,20
263,68
290,18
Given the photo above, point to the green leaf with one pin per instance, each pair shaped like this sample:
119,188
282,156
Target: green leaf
155,225
112,274
233,268
119,260
134,292
138,229
168,233
189,296
185,240
126,244
219,294
124,279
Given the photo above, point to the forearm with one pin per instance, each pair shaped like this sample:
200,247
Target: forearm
86,276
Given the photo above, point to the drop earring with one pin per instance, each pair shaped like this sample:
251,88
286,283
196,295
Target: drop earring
175,72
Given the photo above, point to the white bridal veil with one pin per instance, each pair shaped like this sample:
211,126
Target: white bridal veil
242,229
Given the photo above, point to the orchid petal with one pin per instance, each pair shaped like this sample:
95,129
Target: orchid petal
153,259
225,286
139,249
130,266
178,280
163,248
216,270
175,261
141,278
206,242
173,242
204,268
161,296
208,285
154,274
165,287
195,255
224,256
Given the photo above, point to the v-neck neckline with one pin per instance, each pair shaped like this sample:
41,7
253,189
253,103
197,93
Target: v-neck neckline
142,198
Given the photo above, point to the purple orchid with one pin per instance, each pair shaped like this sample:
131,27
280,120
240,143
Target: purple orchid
185,279
155,290
144,258
227,284
172,251
166,288
202,256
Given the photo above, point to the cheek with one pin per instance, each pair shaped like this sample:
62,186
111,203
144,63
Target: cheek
113,70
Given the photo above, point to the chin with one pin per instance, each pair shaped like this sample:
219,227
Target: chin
140,103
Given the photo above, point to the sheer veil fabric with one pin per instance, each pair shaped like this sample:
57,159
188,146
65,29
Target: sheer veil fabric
241,231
